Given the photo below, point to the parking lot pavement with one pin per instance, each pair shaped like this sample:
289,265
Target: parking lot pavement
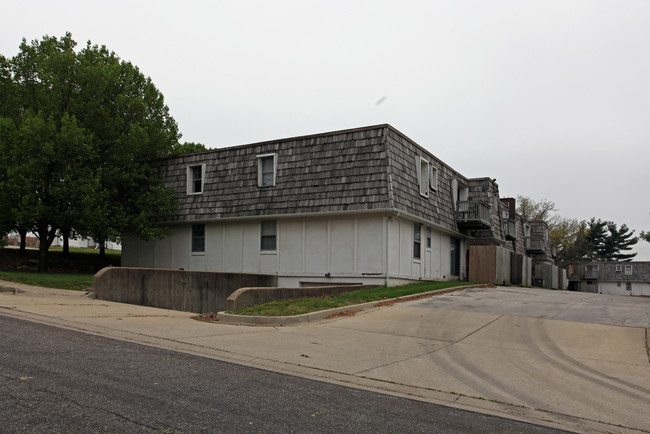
570,360
541,303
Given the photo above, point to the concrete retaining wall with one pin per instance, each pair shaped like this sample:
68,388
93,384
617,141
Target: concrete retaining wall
245,297
190,291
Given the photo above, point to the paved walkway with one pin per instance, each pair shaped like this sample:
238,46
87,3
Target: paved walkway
502,351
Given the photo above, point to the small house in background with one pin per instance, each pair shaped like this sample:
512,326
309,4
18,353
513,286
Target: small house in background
365,205
618,278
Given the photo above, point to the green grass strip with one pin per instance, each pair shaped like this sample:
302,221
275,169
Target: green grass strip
79,282
299,306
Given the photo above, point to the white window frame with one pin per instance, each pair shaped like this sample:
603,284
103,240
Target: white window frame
190,179
423,170
260,173
619,268
628,270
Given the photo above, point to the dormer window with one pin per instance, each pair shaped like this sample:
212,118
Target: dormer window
266,170
195,179
423,173
433,178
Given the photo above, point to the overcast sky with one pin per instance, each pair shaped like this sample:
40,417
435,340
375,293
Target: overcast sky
551,98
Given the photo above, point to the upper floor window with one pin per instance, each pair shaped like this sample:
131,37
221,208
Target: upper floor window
619,268
195,177
266,170
198,238
269,235
628,270
433,178
423,173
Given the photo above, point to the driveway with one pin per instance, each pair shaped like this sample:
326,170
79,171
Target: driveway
570,360
538,303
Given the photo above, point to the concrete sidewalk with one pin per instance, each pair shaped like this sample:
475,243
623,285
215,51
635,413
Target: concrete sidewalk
574,375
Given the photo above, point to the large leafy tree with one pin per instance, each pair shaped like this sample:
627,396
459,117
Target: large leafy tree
77,133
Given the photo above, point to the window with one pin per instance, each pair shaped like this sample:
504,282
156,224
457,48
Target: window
618,269
266,170
628,286
269,232
454,256
454,193
428,238
195,179
198,238
618,283
417,240
628,270
423,172
433,178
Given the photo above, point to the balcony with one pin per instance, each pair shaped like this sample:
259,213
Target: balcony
510,229
473,214
535,245
591,272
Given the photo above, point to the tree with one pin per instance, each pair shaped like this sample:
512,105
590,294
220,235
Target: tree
531,209
569,236
131,126
78,132
618,242
645,236
189,148
580,241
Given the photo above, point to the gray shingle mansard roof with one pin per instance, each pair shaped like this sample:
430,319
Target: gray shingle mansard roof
363,169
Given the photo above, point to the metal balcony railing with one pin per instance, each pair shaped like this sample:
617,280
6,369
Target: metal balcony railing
473,213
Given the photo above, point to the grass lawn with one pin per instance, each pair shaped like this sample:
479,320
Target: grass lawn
305,305
79,282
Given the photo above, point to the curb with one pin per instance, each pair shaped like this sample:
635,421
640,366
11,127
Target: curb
330,314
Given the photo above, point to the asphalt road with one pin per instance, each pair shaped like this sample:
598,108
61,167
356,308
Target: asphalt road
57,380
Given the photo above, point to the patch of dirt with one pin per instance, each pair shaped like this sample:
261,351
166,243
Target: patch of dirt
207,317
342,314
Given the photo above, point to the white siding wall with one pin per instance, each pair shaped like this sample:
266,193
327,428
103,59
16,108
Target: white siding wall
434,262
352,249
638,288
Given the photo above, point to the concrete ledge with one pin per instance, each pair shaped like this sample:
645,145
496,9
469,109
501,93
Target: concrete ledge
189,291
329,314
246,297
